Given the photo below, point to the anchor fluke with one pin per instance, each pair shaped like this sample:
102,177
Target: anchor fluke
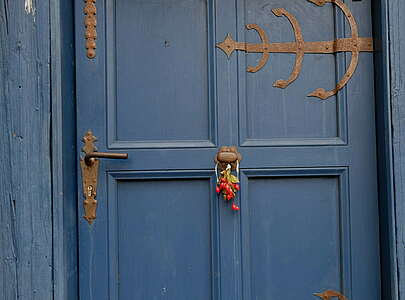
265,47
321,93
329,294
299,48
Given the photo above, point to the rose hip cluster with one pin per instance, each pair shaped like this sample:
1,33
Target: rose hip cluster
228,190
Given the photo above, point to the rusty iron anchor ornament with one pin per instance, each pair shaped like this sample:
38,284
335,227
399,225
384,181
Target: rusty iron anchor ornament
329,294
354,44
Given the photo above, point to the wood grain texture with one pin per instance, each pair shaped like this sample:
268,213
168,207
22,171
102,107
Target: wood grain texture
25,182
64,158
127,254
397,35
25,204
389,265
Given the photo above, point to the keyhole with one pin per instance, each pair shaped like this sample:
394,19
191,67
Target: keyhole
89,190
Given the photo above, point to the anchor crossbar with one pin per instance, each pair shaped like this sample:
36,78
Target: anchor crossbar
335,46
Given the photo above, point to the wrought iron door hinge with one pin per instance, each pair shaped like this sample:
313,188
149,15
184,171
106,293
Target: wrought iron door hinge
354,44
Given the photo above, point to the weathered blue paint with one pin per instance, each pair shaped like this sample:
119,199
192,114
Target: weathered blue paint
389,257
63,152
160,91
25,158
17,236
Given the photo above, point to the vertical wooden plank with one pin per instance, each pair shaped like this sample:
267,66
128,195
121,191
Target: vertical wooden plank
25,182
64,158
384,148
397,45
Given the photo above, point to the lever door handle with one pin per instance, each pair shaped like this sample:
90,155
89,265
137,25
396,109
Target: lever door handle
89,158
89,165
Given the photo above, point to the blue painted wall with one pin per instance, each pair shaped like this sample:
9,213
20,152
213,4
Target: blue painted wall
63,151
37,204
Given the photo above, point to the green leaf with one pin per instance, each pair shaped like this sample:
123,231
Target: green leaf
233,179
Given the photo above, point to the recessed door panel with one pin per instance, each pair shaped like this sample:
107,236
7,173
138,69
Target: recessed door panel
160,73
163,237
274,116
297,235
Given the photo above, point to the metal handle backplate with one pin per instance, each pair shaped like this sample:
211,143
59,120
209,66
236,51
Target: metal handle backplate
89,166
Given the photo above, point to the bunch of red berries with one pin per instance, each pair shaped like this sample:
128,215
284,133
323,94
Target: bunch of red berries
228,190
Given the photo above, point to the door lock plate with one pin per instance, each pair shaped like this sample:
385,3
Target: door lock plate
90,166
90,175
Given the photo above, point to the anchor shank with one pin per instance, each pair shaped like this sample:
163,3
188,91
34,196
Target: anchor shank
335,46
339,45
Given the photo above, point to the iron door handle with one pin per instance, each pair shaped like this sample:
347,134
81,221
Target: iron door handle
89,158
89,166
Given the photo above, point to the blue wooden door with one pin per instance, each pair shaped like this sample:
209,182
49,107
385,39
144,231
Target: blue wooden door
159,90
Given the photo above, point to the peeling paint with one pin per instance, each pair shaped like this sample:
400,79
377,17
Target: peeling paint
29,7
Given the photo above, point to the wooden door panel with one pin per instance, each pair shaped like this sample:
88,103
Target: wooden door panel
161,240
160,74
296,233
272,116
132,100
159,90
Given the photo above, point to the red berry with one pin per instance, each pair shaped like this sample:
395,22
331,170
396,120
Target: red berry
229,196
235,207
236,186
217,189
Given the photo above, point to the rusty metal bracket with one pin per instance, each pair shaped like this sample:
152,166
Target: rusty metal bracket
354,48
299,40
265,55
329,294
354,44
90,23
89,166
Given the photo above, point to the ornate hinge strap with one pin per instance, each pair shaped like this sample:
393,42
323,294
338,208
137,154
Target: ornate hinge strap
354,44
90,22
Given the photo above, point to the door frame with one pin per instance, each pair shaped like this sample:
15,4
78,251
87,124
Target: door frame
65,163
